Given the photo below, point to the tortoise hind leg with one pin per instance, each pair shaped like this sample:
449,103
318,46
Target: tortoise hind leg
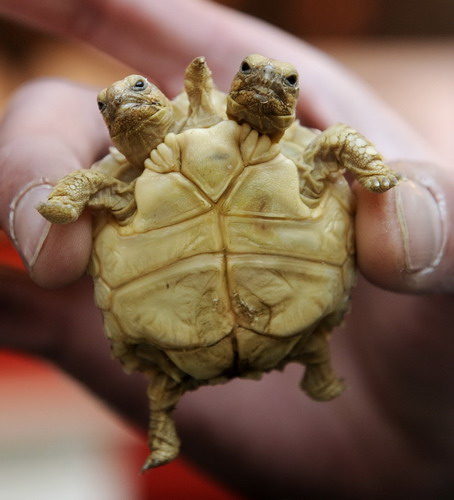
163,393
319,381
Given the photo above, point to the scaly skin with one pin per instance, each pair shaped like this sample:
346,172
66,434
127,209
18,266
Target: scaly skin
137,114
87,187
340,146
163,395
198,85
264,94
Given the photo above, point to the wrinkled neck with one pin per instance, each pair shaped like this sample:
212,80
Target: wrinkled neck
273,126
137,140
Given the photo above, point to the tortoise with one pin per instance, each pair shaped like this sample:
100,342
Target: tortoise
223,236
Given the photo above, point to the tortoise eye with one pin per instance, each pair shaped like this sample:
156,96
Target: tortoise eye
140,85
245,68
291,80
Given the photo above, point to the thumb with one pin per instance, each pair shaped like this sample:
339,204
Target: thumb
405,239
50,128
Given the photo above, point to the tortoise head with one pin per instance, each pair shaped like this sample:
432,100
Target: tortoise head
264,94
137,114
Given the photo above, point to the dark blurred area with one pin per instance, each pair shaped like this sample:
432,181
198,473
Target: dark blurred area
321,18
307,19
313,20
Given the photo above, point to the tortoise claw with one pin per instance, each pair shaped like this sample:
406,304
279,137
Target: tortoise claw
380,183
57,212
158,458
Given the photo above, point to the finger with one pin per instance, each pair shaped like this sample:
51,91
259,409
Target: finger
405,238
65,327
156,41
49,129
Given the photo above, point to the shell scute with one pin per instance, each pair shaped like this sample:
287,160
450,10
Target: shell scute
146,305
154,249
260,353
166,199
270,189
322,238
282,296
207,362
211,157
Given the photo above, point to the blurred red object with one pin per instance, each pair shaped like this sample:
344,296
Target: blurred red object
178,480
8,254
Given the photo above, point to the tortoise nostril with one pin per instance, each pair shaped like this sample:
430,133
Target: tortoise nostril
269,72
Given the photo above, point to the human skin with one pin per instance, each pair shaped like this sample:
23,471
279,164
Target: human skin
392,431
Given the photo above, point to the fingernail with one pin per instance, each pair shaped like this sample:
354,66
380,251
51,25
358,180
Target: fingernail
28,228
421,224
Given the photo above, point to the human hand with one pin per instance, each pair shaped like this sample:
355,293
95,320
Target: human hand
156,45
273,438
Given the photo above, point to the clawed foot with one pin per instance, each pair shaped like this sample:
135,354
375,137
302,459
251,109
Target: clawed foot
163,454
58,212
320,387
164,393
380,183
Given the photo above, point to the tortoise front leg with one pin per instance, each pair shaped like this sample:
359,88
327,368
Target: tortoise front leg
199,86
92,188
163,393
342,147
319,382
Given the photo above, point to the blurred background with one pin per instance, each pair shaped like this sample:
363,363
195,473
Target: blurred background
57,441
307,18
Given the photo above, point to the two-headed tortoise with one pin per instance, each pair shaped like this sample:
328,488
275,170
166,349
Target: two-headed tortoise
223,241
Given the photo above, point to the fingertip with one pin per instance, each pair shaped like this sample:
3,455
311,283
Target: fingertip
402,235
40,144
54,255
380,252
64,255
